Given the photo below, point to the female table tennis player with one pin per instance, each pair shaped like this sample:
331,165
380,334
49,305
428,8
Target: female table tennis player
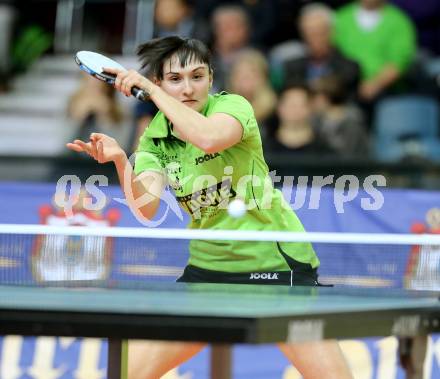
195,135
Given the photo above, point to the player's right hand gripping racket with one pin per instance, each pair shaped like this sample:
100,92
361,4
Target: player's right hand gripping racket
93,63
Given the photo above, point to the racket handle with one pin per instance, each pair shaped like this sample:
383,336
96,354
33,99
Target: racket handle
139,94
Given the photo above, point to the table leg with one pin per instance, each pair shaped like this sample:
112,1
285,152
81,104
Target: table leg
418,355
114,359
221,361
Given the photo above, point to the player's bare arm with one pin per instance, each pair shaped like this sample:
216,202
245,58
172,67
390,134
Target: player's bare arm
142,191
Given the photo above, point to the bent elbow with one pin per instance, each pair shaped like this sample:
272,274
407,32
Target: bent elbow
209,146
147,215
211,150
147,212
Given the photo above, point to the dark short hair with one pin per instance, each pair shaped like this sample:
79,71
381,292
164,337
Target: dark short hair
298,86
155,52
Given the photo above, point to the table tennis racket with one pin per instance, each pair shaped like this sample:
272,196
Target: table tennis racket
93,63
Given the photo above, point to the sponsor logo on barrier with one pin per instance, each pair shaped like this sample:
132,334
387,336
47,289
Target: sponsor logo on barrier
71,358
422,271
59,257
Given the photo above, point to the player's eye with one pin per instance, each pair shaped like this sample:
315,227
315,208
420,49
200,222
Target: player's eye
197,76
174,78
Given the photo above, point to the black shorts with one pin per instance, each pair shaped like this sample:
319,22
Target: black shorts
300,274
193,274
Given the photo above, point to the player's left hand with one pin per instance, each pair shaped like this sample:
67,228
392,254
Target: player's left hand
101,147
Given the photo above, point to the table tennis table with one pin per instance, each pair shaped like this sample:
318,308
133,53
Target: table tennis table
215,313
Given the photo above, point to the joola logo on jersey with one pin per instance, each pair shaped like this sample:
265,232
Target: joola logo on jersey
264,275
206,157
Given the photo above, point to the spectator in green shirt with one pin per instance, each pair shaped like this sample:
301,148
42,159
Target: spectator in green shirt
381,38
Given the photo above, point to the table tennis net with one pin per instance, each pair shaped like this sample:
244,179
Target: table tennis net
50,255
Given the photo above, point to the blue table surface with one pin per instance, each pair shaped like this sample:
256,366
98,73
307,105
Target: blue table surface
240,301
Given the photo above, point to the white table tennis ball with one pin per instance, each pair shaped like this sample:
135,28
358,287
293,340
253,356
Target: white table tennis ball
237,208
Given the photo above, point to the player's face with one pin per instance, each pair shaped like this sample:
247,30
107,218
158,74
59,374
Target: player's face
190,84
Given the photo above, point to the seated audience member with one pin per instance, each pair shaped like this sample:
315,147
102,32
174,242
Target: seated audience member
7,23
249,77
339,125
95,107
143,114
176,17
231,33
291,130
321,57
381,38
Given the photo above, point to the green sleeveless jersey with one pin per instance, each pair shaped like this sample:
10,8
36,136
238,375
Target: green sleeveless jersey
204,184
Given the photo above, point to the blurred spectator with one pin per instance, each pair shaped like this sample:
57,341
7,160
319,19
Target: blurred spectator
143,114
380,38
426,18
231,35
287,12
29,45
176,17
95,107
321,58
261,15
249,77
7,16
339,125
292,130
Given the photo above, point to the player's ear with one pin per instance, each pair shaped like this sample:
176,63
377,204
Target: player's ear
211,79
156,81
